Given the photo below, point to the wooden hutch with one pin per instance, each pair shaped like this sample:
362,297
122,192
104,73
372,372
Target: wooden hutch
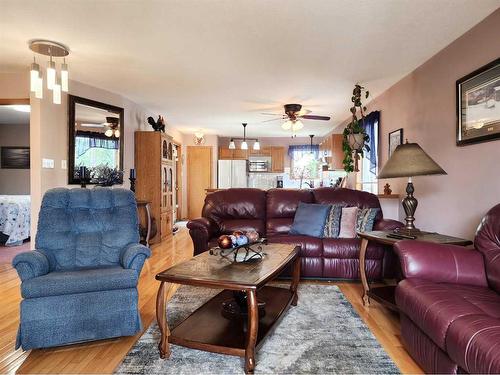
155,178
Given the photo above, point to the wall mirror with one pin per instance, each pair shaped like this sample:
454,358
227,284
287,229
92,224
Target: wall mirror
95,142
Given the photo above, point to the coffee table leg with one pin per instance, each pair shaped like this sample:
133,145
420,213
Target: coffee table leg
161,318
253,325
295,280
362,271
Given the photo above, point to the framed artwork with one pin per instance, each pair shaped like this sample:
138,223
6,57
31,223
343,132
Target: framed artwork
15,157
395,139
478,105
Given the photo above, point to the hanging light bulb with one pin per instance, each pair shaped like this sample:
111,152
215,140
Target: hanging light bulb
51,74
232,145
56,93
39,87
256,145
64,76
34,74
244,144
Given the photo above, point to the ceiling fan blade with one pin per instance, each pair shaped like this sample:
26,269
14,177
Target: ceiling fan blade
270,114
303,112
273,119
315,117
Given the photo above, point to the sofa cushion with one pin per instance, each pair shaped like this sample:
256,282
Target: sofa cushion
79,281
348,222
281,206
310,246
348,248
236,209
434,307
366,219
347,198
86,227
332,223
310,220
473,341
487,241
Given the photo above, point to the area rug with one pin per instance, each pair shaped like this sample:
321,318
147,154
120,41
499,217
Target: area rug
322,335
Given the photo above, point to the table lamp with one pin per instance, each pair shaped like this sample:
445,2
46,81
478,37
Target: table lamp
409,160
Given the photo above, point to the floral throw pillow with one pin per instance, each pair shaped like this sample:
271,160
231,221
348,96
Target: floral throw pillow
332,223
366,219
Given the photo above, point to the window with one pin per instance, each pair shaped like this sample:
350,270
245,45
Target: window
367,176
305,163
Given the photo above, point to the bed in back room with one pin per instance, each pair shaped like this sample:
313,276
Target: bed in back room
14,219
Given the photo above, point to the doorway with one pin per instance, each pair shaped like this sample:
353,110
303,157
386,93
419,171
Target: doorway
15,200
199,178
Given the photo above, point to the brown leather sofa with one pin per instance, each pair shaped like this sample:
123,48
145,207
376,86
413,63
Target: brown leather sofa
271,214
450,302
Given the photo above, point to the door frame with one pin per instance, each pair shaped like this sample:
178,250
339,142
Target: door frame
188,157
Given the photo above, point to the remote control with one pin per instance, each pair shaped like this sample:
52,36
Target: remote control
401,236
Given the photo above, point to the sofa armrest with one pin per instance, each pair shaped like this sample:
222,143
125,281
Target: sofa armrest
201,231
441,263
387,224
133,256
31,264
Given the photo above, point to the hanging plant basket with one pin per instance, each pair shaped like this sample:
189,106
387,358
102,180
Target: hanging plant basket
355,140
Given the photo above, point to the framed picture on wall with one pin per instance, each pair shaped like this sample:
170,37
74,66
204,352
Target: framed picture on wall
15,157
395,139
478,105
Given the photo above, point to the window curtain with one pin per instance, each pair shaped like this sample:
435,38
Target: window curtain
304,161
87,140
299,151
371,127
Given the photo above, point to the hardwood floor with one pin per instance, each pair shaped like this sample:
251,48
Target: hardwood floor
103,356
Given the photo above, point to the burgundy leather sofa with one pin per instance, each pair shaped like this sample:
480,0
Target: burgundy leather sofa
271,214
450,302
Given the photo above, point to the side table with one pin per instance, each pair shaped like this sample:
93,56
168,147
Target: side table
385,294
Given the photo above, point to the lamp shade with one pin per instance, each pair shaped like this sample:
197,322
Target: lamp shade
409,160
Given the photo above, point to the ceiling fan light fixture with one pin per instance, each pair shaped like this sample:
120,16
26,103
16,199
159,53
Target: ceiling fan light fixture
287,125
256,145
117,133
232,145
297,125
108,132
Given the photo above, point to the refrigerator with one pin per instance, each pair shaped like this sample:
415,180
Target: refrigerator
232,174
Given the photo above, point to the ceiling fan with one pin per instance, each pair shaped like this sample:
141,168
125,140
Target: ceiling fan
293,114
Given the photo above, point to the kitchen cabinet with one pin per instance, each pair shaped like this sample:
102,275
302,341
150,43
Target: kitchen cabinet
277,159
225,153
239,154
331,149
264,151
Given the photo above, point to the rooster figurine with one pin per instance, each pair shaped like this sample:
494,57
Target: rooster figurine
159,125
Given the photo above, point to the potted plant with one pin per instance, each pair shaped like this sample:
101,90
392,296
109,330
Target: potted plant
103,175
355,141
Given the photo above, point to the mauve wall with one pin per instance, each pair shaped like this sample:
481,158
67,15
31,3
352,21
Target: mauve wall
424,105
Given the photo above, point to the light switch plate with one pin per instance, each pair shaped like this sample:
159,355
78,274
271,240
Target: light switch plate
64,164
48,163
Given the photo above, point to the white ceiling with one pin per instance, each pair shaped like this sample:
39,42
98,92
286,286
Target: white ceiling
9,116
211,65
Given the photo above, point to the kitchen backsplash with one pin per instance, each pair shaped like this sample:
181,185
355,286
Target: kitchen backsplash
267,181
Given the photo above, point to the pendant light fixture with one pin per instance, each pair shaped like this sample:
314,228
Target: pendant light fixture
54,83
244,144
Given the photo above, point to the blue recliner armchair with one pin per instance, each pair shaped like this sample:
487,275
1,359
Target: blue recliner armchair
80,283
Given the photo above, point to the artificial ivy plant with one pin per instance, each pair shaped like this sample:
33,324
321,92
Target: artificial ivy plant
356,140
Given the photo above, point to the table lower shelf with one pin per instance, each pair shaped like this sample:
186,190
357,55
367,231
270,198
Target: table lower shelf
206,328
384,295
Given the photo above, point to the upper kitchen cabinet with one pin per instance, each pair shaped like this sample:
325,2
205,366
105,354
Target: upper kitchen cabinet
331,149
264,151
277,159
232,154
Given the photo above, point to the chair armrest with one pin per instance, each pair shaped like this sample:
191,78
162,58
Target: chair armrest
441,263
387,224
31,264
201,231
134,255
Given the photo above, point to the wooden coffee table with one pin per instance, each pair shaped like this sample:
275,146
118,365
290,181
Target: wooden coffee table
207,328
